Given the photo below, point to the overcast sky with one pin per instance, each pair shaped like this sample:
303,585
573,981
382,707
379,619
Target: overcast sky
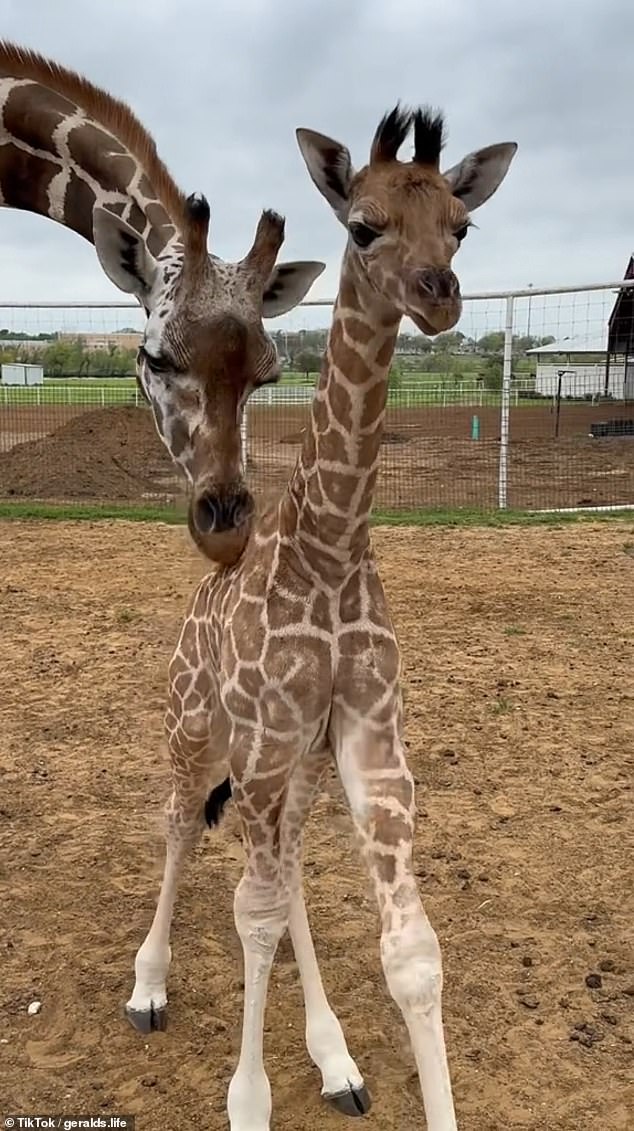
222,85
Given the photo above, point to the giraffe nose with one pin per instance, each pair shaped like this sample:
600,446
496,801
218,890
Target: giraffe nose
436,284
215,513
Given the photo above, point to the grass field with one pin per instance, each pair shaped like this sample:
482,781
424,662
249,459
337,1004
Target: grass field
412,390
176,515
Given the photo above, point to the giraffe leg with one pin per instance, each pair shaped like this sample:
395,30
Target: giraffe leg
261,909
380,791
342,1083
147,1007
261,912
195,767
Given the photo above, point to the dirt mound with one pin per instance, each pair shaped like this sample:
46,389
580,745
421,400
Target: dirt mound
109,453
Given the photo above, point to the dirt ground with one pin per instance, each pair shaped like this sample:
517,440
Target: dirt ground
428,459
517,648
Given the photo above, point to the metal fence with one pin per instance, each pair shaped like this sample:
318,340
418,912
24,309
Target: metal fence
528,404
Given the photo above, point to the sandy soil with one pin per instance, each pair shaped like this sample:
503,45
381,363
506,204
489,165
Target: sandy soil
517,649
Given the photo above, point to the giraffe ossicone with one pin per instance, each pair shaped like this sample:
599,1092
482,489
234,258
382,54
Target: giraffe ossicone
288,661
74,153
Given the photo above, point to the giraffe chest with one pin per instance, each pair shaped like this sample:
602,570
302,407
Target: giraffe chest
277,663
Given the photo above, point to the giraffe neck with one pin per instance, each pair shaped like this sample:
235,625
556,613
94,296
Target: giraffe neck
58,159
329,498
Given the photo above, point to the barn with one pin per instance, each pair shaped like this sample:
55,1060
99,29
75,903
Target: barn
599,367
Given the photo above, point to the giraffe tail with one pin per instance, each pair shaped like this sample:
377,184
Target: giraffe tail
216,802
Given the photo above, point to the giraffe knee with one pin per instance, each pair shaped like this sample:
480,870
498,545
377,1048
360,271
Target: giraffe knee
412,964
184,817
261,915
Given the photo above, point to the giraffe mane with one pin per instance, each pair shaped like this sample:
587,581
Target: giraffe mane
104,110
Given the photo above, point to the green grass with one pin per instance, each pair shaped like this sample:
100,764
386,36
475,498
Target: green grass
90,512
288,378
425,389
127,616
98,382
501,707
93,393
176,515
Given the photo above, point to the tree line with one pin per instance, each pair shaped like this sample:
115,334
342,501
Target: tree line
300,352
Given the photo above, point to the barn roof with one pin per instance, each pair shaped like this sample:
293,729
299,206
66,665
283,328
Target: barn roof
617,336
597,344
621,320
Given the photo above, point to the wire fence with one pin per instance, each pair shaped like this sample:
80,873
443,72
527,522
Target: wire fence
528,403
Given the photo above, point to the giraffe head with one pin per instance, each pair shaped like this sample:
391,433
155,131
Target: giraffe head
72,151
204,351
406,220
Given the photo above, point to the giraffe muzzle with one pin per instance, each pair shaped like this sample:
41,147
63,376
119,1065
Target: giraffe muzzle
436,284
216,513
220,523
434,299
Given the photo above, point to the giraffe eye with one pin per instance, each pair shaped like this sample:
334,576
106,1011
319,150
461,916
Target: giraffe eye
362,234
461,233
155,364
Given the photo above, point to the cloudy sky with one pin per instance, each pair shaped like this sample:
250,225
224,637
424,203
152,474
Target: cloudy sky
222,85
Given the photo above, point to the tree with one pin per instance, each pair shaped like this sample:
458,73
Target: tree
307,362
65,357
448,342
492,343
412,344
395,379
492,374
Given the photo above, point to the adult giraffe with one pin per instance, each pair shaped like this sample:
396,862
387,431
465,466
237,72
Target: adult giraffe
72,152
289,658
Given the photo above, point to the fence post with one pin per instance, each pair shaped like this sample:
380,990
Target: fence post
505,405
244,438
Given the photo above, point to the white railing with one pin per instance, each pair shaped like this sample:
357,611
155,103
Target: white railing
407,394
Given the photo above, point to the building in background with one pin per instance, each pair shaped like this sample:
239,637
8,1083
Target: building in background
116,339
598,367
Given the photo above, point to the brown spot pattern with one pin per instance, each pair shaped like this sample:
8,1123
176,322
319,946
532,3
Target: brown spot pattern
78,206
25,179
93,150
32,114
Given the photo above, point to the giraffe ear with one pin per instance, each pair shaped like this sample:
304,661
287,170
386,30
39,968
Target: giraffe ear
330,168
288,285
478,176
123,254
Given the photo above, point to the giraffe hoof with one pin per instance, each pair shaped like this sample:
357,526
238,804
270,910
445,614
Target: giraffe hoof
147,1020
354,1101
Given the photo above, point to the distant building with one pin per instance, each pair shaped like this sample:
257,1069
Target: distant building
25,343
621,334
19,374
116,339
599,367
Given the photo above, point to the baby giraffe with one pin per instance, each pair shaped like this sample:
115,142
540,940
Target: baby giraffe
288,659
